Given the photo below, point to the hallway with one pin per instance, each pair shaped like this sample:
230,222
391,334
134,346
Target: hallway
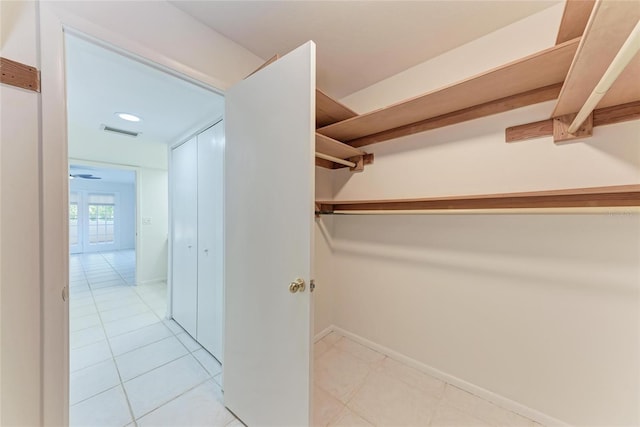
128,364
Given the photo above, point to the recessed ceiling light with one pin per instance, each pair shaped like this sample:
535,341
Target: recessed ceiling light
128,117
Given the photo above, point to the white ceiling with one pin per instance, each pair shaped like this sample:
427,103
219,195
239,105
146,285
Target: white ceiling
359,42
101,82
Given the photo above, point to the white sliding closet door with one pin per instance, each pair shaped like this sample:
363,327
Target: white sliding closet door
184,212
210,238
269,214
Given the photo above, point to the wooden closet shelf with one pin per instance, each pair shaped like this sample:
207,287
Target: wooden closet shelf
613,196
334,148
574,19
543,69
329,111
605,34
626,88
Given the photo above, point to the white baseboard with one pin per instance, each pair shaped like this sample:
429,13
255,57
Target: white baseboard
152,281
323,333
499,400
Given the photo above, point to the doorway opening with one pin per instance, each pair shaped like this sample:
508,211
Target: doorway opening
102,215
130,361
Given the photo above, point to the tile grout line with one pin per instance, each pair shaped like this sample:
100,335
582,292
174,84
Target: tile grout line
147,345
133,418
371,370
124,390
159,366
96,394
344,405
124,333
116,270
174,398
84,273
189,352
175,335
439,400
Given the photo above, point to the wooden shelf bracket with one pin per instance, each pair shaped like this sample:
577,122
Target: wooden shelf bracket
600,117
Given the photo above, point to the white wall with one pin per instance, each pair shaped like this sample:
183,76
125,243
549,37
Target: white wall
125,211
20,331
540,309
160,32
322,265
154,202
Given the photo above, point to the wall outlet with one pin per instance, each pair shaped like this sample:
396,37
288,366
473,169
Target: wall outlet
146,220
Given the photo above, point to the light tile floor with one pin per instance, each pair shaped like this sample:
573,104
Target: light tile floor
357,386
130,367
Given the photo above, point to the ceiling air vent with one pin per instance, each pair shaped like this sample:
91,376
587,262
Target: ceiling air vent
120,131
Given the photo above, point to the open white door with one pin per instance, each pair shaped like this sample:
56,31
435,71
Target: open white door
269,209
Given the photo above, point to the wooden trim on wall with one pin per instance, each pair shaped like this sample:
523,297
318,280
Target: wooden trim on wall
574,19
327,164
529,131
531,97
616,114
613,196
601,117
20,75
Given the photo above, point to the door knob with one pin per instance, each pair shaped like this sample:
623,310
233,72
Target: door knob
297,285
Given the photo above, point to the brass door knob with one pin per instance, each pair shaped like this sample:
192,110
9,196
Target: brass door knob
297,285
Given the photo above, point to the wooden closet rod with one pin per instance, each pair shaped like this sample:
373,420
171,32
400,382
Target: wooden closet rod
335,160
601,198
615,210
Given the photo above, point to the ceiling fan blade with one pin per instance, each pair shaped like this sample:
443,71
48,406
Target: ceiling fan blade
85,176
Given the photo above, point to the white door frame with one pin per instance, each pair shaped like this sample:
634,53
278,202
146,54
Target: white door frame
54,21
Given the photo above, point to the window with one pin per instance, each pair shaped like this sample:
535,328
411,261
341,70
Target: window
101,218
